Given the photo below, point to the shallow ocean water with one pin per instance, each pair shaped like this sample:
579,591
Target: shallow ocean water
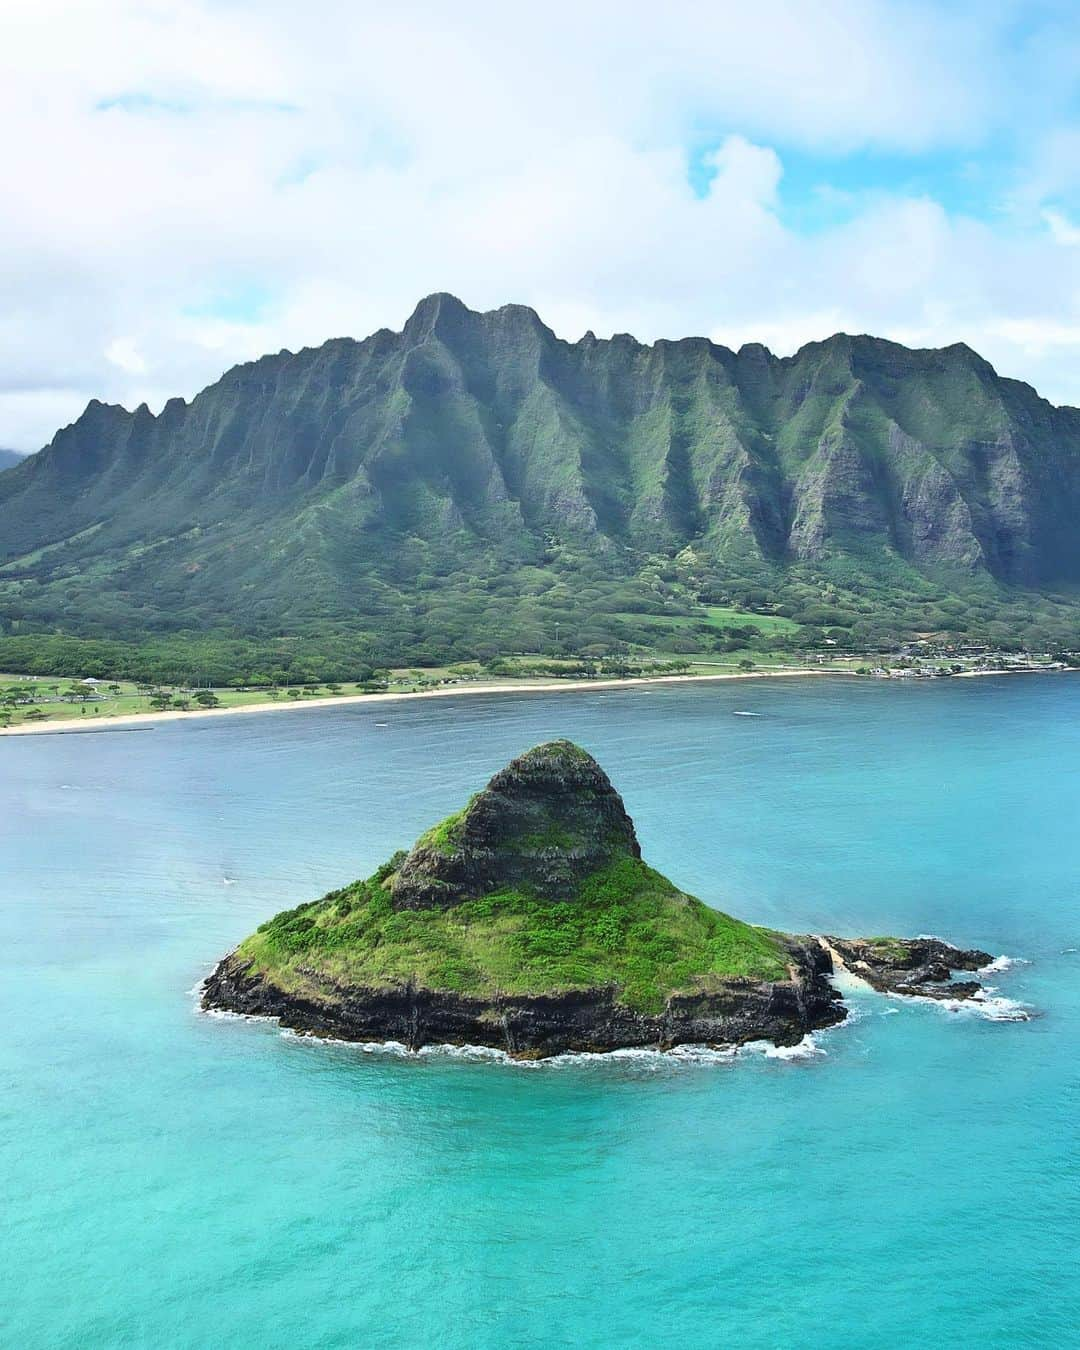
911,1178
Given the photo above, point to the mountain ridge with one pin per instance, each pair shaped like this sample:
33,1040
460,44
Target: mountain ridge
333,487
438,299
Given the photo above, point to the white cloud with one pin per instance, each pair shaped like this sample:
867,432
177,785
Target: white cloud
123,354
163,153
1036,335
24,413
1063,230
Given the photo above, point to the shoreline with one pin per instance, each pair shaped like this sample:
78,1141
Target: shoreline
126,721
129,721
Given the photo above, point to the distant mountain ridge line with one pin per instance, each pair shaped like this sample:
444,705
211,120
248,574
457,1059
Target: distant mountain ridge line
589,337
343,485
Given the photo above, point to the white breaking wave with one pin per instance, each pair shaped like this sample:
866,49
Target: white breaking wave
648,1057
702,1054
645,1057
988,1004
1000,963
480,1053
999,1009
740,713
807,1048
227,1015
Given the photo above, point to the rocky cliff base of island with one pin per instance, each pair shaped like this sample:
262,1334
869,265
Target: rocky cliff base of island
593,1020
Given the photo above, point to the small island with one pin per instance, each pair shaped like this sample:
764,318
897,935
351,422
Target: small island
529,922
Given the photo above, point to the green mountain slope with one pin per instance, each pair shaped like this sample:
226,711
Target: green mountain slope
473,481
9,458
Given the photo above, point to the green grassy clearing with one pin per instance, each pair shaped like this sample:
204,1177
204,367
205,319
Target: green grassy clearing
771,625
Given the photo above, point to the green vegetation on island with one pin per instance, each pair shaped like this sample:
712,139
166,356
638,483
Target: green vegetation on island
625,926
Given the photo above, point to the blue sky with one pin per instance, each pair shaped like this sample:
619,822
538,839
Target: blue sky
190,183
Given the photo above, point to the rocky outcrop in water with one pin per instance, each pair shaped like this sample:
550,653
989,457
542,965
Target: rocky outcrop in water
914,966
528,922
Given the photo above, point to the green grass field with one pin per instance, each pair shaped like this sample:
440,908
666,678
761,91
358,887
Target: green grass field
715,617
771,625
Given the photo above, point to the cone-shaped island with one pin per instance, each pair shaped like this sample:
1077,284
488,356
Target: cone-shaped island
529,922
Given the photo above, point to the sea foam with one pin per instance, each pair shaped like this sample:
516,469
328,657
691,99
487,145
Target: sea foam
808,1048
648,1058
988,1005
1000,963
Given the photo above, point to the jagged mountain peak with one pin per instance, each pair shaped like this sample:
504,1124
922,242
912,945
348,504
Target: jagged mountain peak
439,307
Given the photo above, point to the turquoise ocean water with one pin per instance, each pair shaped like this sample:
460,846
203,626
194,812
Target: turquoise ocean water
169,1179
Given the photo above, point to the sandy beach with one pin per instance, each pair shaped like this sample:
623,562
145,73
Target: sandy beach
87,726
129,721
